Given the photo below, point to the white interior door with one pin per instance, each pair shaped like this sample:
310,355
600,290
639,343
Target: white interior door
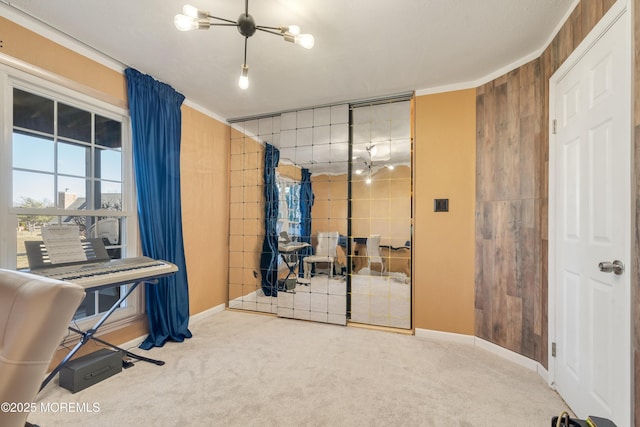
590,194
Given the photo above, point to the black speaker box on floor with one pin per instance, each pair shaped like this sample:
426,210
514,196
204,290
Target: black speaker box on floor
88,370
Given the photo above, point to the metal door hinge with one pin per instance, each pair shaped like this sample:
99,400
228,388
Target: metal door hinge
554,126
553,349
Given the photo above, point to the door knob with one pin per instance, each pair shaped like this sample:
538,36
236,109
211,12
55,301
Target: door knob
616,267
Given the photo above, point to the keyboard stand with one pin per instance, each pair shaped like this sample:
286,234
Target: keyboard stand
290,256
89,335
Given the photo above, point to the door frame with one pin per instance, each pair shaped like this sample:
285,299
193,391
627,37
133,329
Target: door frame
608,20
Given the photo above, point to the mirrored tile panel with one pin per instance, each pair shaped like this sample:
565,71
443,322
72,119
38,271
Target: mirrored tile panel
320,215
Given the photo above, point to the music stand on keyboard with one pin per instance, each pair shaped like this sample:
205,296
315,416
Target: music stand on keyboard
39,263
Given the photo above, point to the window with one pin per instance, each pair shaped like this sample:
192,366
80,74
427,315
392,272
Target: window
70,164
289,215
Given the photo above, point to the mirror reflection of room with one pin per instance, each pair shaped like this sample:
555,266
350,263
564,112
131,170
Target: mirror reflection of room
291,252
246,226
315,141
380,285
285,198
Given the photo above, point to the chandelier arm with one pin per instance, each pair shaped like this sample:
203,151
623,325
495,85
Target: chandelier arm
246,7
245,51
267,30
215,24
221,19
260,27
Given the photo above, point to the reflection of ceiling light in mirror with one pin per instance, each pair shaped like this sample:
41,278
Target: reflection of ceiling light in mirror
368,180
390,167
358,171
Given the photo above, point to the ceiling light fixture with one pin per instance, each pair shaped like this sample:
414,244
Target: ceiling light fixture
193,19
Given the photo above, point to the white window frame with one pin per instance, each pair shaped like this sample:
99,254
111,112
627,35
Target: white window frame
282,199
81,97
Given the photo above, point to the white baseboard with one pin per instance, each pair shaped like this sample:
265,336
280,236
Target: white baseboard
512,356
516,358
192,320
445,336
198,317
132,344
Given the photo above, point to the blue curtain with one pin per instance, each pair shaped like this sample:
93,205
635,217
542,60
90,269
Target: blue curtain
269,257
306,203
156,122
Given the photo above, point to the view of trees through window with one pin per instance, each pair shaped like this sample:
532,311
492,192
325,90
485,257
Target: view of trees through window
67,169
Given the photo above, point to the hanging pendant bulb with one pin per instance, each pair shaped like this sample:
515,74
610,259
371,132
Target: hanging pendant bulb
305,40
293,30
244,77
194,12
185,23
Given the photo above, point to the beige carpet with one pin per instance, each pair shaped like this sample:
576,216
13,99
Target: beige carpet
244,369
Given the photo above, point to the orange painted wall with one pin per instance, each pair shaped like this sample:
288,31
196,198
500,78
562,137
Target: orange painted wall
246,229
41,52
204,164
443,258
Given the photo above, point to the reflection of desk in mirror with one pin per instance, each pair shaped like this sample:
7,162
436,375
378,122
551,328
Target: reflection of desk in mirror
398,260
289,252
359,254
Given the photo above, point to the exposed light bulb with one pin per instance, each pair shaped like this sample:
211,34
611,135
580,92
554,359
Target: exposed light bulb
191,11
185,23
390,167
358,171
244,77
293,30
305,40
368,180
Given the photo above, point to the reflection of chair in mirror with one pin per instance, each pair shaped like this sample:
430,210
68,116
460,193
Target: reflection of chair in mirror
325,252
34,315
375,261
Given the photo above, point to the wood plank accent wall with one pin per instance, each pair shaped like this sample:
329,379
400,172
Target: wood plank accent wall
511,194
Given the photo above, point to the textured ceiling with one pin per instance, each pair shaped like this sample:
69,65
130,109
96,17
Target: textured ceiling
364,48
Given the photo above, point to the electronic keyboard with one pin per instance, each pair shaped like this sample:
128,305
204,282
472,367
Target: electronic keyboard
98,270
113,272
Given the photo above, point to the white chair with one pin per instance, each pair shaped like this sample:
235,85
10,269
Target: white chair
34,315
373,254
325,252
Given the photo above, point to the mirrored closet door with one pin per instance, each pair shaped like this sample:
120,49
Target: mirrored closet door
315,144
380,214
294,248
288,228
249,142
